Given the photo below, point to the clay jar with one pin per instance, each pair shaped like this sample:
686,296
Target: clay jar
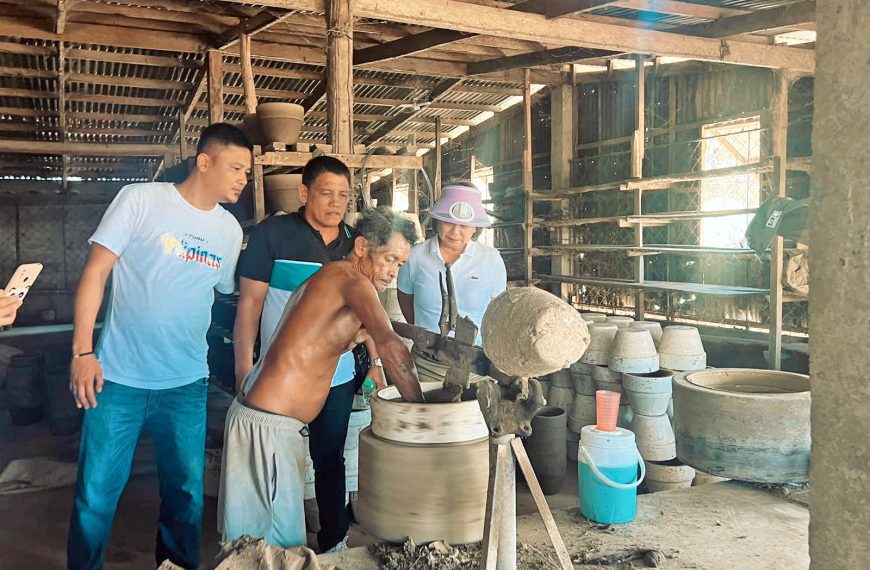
680,348
654,437
435,491
582,412
607,379
600,337
281,192
593,317
654,328
546,450
648,393
633,350
561,397
667,475
280,122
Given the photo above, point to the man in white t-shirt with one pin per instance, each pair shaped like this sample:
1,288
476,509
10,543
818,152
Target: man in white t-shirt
167,247
477,270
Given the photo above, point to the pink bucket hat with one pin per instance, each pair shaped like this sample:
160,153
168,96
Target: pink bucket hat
460,205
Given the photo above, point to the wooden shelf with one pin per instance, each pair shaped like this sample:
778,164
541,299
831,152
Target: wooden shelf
699,288
651,249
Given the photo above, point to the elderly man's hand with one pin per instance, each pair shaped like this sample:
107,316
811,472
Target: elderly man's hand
8,308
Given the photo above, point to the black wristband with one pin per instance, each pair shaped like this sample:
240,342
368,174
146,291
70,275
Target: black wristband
83,354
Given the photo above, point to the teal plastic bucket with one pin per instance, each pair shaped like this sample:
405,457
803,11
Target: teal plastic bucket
609,470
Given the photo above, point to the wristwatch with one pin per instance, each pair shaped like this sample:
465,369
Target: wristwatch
377,362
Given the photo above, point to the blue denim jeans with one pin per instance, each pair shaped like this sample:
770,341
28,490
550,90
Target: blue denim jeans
176,420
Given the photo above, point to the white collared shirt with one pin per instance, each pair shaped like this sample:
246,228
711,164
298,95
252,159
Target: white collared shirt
479,275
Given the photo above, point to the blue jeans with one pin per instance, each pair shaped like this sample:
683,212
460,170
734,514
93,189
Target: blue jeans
176,420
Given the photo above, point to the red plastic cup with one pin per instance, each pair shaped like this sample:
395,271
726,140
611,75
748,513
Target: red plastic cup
606,409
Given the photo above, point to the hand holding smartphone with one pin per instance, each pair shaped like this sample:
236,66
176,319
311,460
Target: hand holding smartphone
19,285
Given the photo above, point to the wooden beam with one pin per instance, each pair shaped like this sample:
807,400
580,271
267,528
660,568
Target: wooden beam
61,102
247,71
375,161
27,72
60,19
339,74
459,16
25,49
215,87
128,81
537,58
438,158
27,93
408,45
396,121
754,22
131,58
119,100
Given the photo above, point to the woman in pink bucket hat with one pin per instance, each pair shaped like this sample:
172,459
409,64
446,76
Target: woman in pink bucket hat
477,270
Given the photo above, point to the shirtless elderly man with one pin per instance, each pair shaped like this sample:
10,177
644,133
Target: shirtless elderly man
263,471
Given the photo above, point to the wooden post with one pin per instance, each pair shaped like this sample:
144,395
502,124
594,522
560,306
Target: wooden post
527,171
259,198
563,121
61,100
247,71
637,152
413,198
215,87
339,74
778,147
438,150
182,135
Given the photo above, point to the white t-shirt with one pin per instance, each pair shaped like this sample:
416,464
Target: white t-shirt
479,275
171,258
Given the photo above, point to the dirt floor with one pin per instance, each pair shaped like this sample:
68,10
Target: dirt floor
720,526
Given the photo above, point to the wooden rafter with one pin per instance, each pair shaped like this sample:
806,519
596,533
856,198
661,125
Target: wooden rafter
759,21
443,88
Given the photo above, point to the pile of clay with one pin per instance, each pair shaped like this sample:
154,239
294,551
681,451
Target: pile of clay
528,332
439,555
248,553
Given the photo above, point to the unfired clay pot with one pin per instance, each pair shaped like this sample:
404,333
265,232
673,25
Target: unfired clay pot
282,192
620,322
280,122
667,475
633,350
751,425
598,351
654,437
582,412
607,379
593,317
680,348
654,328
562,379
572,444
648,393
545,448
561,397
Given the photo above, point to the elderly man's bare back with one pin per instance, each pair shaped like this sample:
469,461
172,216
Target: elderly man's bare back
323,319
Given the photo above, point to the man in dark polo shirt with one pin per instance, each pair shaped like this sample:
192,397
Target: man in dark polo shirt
283,252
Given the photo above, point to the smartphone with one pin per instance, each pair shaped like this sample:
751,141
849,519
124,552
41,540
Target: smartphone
22,280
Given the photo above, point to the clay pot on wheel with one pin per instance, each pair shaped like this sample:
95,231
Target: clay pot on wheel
280,122
546,450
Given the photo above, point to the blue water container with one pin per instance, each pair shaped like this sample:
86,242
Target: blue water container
609,470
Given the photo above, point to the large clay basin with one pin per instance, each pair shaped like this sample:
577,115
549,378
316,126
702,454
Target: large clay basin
746,424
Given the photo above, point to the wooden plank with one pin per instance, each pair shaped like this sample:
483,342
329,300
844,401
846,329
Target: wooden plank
60,19
118,100
541,502
778,117
680,8
267,93
669,180
408,45
25,49
215,87
31,93
27,72
539,58
638,148
247,71
374,161
754,22
84,149
339,74
128,81
130,58
259,197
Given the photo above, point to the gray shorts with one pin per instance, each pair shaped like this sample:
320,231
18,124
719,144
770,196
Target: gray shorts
262,477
